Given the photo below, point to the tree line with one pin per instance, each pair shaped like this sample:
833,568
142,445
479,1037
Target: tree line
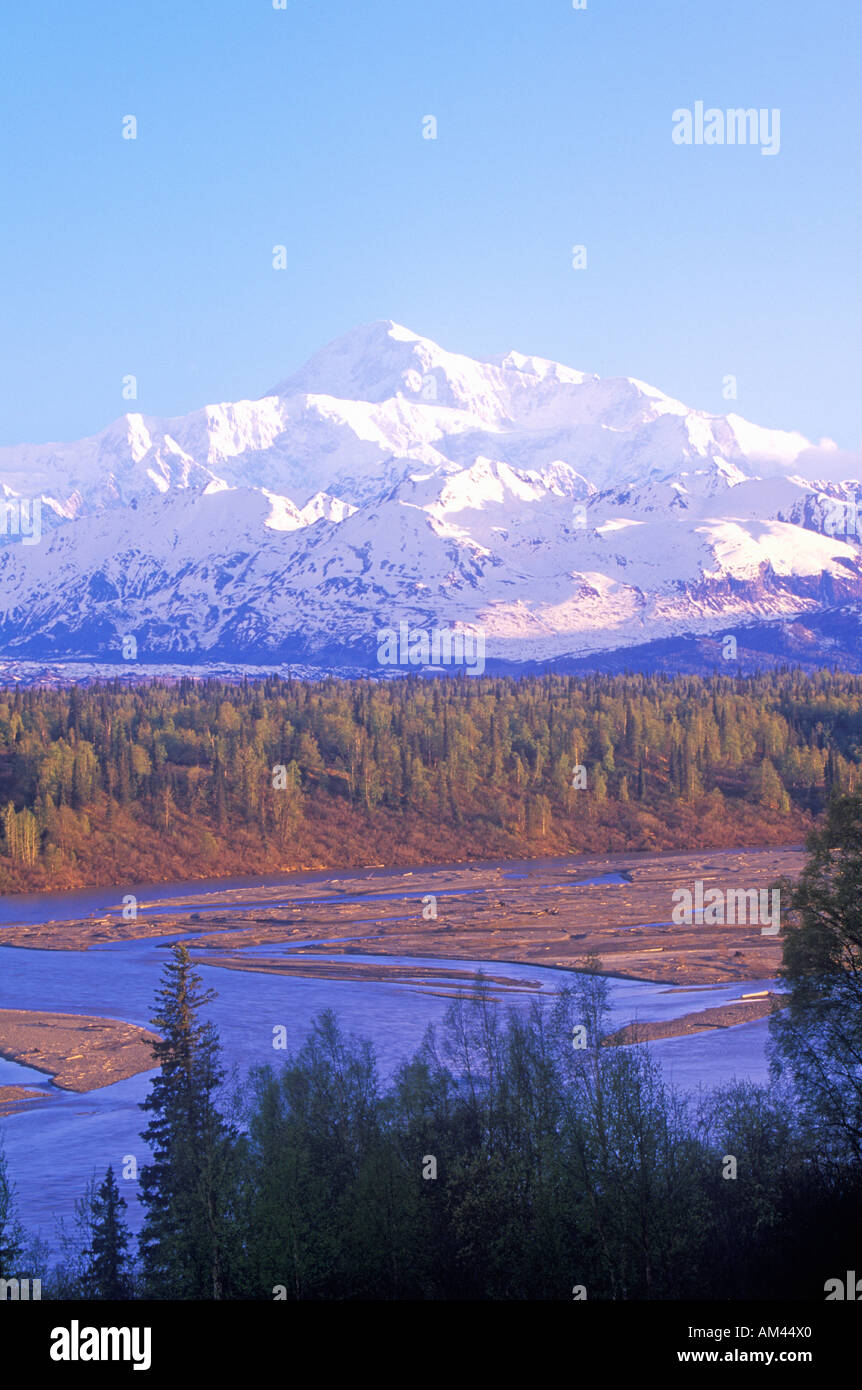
205,777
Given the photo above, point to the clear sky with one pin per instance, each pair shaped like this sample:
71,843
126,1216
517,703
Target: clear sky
303,127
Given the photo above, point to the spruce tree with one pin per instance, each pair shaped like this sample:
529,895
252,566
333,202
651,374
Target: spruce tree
11,1232
107,1273
188,1189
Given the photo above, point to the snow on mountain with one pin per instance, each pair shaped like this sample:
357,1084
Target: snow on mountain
390,480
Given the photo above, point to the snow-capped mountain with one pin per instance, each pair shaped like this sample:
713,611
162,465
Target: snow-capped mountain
388,480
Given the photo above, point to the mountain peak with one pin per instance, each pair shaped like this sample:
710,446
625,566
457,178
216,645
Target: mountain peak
383,360
359,364
561,511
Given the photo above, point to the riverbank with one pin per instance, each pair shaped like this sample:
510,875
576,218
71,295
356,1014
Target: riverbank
739,1011
14,1099
78,1053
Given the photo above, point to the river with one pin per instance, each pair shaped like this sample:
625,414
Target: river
53,1151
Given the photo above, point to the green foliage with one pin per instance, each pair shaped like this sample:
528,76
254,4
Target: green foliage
504,1161
171,765
108,1273
818,1039
11,1232
187,1191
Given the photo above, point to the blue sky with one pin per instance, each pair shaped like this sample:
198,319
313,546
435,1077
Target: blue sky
303,127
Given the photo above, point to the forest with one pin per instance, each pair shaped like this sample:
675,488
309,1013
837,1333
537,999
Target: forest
201,778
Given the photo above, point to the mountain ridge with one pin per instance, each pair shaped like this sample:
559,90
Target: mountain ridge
563,514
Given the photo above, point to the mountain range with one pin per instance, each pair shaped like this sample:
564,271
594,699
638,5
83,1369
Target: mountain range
577,521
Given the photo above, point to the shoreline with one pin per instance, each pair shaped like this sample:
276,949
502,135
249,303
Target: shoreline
108,1049
335,872
738,1013
14,1100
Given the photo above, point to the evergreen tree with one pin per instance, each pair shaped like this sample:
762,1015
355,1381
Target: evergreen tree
818,1038
11,1232
107,1273
188,1190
